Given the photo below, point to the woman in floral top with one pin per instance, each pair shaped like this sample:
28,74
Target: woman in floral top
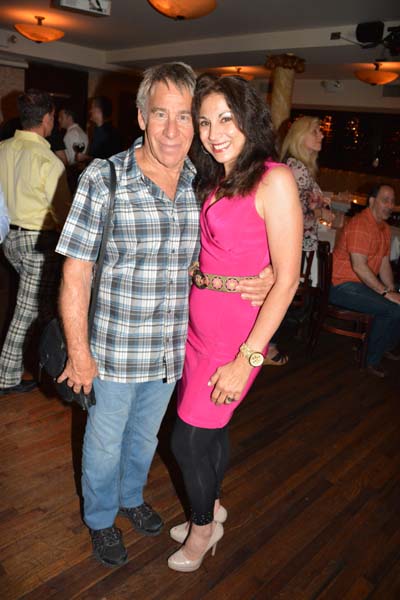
300,150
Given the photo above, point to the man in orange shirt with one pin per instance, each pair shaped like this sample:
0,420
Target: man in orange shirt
362,277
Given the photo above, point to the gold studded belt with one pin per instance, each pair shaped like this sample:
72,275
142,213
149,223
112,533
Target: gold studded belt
218,283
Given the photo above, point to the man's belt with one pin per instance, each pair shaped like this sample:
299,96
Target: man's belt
18,228
218,283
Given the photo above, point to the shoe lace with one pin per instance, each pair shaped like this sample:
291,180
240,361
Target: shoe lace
110,536
144,510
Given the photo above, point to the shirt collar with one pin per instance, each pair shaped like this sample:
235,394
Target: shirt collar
372,219
29,135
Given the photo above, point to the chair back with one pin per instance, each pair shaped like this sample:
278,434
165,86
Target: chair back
324,274
335,319
301,297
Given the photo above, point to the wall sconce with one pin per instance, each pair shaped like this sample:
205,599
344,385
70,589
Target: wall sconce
38,32
180,10
376,77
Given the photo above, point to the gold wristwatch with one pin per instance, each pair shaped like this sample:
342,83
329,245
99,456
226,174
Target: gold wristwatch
255,358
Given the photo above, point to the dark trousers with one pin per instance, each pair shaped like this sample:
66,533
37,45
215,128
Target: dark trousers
203,456
385,331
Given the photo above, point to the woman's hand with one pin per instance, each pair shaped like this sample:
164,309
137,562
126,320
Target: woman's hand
324,213
230,380
327,215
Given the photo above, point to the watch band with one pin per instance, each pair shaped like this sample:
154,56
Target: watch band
385,291
246,350
255,358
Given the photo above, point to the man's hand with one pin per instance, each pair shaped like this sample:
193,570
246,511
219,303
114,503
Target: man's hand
79,373
393,297
257,289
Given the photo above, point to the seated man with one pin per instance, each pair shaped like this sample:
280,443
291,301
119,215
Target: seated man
362,277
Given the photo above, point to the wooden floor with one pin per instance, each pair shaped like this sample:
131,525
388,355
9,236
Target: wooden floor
313,495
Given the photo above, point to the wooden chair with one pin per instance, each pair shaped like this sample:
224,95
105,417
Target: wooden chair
301,306
332,318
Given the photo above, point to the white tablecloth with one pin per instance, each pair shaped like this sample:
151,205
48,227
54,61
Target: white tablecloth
395,243
325,234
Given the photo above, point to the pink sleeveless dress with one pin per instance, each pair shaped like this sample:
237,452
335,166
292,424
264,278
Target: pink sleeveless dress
233,243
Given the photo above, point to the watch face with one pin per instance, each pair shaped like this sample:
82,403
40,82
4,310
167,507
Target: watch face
256,359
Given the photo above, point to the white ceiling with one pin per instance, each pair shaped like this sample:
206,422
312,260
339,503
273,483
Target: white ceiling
238,32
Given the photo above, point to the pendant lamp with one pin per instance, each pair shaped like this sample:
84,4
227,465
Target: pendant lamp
180,10
376,77
38,32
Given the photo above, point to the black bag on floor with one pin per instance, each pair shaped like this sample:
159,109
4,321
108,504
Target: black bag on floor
52,347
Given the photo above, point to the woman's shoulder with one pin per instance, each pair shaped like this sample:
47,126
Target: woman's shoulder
271,164
276,175
275,169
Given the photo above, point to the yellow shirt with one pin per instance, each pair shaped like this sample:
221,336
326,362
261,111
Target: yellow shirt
34,182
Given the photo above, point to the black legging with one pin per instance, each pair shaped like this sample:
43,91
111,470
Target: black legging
202,455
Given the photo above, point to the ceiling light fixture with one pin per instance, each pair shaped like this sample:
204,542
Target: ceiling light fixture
38,32
180,10
238,71
376,77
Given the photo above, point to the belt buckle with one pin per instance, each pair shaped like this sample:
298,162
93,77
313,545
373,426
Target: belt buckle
198,279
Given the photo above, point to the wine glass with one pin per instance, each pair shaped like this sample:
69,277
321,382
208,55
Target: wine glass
78,147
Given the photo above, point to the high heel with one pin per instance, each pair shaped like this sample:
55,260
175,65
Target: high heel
180,532
179,562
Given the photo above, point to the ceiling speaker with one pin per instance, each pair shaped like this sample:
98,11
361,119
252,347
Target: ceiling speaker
370,33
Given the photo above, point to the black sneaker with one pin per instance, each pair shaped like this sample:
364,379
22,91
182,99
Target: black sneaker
143,518
108,546
25,385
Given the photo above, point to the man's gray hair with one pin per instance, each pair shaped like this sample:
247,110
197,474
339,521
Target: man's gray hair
178,73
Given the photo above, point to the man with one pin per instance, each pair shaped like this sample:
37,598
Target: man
137,348
362,276
106,140
38,199
74,134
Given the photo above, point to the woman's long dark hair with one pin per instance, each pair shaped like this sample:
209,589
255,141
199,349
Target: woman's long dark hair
253,118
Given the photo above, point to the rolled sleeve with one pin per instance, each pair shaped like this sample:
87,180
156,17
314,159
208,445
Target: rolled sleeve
81,234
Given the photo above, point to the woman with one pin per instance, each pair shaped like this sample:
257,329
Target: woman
300,150
242,190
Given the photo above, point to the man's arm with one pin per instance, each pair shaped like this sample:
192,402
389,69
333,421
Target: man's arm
386,274
75,289
359,262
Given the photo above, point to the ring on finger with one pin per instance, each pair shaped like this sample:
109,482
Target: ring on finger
229,400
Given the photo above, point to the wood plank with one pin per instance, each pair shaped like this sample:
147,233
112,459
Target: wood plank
312,493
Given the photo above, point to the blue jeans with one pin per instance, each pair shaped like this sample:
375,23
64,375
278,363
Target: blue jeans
385,331
119,445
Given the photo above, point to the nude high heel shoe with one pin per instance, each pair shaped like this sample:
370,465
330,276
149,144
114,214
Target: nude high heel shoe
180,532
179,562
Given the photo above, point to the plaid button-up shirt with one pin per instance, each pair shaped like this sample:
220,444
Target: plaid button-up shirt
141,318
